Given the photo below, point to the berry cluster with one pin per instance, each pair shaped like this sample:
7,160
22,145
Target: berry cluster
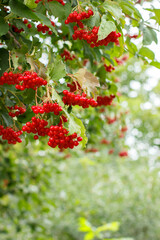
72,99
37,126
19,110
67,56
30,80
60,1
28,24
77,17
124,129
111,120
15,29
10,135
123,154
109,68
120,61
104,141
44,28
47,108
59,137
74,86
105,101
9,78
92,37
111,151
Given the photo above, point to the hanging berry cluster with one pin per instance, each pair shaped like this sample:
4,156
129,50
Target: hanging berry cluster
30,80
67,56
109,68
59,137
22,80
10,135
105,101
90,36
43,28
47,108
72,99
16,111
9,78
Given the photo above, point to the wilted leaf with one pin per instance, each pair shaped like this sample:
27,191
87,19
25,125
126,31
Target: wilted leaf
87,81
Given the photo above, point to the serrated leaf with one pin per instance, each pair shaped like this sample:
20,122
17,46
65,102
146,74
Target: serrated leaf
3,27
146,52
22,10
113,8
58,10
157,14
106,27
56,70
87,81
129,9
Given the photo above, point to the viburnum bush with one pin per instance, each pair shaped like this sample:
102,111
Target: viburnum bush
60,56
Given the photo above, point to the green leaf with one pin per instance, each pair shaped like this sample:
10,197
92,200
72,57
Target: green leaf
30,3
129,9
146,52
114,226
157,15
113,8
149,35
22,10
155,64
76,125
94,20
8,102
58,10
106,27
89,236
7,119
3,27
56,70
84,225
4,62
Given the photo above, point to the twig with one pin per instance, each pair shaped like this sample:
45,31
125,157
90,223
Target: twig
15,40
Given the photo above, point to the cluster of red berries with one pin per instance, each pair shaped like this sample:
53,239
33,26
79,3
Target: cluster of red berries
19,110
74,86
28,24
105,101
92,37
120,61
123,154
59,137
47,108
37,126
44,28
10,135
60,1
111,151
67,56
105,141
77,17
72,99
9,78
124,129
15,29
132,36
30,80
111,120
109,68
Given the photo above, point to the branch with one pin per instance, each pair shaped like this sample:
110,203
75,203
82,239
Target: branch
15,40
